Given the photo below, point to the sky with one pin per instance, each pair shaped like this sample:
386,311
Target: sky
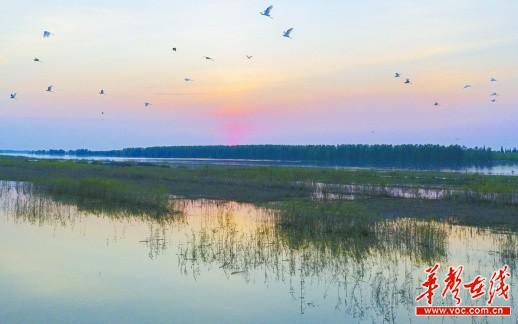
331,83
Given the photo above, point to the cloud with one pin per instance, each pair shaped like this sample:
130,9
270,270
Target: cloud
440,50
180,94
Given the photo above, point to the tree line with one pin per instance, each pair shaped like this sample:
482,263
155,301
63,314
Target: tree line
347,155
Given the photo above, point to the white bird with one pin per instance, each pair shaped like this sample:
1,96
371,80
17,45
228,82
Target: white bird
467,86
267,12
147,104
492,80
101,92
46,34
397,75
249,57
188,80
287,33
13,95
407,81
50,88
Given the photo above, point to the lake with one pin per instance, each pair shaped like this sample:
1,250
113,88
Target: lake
499,168
227,262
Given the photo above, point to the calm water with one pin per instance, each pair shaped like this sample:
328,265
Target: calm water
499,168
222,262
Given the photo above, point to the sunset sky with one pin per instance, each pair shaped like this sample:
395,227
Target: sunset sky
331,83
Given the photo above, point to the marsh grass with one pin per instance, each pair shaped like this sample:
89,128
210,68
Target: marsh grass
99,195
39,205
478,214
425,241
317,219
242,183
115,191
354,227
508,249
97,185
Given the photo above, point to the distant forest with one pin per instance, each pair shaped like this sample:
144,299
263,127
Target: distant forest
346,155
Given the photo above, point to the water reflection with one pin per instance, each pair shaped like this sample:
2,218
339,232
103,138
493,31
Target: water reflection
308,267
324,191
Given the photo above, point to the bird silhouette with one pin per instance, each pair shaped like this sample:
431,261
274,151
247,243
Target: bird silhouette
46,34
174,49
13,95
36,59
436,104
208,58
287,33
267,12
188,80
101,92
249,57
467,86
493,100
492,80
147,104
407,81
494,94
397,75
50,88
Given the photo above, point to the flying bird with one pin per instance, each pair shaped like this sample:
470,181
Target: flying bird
267,12
101,92
13,95
46,34
407,81
208,58
174,49
50,88
249,57
397,75
188,80
494,94
467,86
493,100
492,80
436,104
287,33
36,59
147,104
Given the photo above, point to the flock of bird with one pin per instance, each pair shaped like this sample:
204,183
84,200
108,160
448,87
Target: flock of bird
267,13
287,34
492,96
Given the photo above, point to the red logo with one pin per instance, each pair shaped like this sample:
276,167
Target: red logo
497,287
